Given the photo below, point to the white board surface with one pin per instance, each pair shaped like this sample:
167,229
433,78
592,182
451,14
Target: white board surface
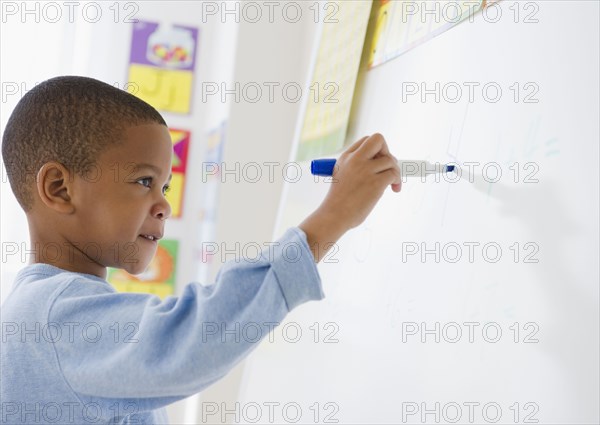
360,357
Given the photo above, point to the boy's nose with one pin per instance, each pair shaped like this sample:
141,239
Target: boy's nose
162,210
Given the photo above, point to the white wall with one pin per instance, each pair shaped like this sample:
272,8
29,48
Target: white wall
19,73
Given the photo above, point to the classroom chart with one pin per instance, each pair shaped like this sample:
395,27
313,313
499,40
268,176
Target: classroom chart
159,276
401,25
334,76
162,62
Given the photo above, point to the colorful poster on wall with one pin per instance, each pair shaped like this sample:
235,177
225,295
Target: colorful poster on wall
401,25
162,63
214,152
181,143
211,177
159,276
334,78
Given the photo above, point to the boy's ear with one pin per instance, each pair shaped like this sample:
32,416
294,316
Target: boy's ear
54,186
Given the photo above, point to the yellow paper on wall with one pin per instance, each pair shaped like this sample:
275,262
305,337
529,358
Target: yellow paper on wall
166,90
333,80
175,194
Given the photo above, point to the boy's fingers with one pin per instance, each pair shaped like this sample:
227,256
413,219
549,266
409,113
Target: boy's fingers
384,163
374,145
392,177
356,144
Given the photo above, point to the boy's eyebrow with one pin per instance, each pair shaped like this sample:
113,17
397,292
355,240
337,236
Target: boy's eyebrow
154,168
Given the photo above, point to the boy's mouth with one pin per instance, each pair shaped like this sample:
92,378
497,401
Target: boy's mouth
151,237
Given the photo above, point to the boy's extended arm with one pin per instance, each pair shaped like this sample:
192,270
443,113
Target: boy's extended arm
322,230
157,351
360,176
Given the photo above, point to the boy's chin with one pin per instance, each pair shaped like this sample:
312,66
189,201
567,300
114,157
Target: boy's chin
136,268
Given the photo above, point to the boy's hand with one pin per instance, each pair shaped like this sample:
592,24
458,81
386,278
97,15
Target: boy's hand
360,177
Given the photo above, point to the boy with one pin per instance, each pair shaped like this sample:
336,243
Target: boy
89,165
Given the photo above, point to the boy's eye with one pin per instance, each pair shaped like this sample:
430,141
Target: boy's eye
145,179
147,182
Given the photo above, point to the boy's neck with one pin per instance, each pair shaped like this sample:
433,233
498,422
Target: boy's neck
50,246
66,256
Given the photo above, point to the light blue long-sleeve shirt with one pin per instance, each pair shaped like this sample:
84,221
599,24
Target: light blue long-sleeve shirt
76,351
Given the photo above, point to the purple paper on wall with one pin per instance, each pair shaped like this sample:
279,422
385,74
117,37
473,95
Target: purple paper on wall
164,45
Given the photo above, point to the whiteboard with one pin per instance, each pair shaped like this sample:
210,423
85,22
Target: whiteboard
517,318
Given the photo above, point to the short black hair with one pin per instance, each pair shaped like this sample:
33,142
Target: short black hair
71,120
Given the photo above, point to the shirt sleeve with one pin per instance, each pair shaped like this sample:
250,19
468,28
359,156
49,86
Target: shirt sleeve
126,345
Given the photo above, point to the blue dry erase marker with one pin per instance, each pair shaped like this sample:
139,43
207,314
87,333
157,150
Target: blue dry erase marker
409,168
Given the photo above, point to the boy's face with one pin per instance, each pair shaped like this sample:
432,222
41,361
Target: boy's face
122,202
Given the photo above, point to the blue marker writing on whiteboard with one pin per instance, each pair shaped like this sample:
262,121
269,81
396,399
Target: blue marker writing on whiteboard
408,168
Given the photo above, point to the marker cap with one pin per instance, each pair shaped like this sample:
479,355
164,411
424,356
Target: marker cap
322,167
